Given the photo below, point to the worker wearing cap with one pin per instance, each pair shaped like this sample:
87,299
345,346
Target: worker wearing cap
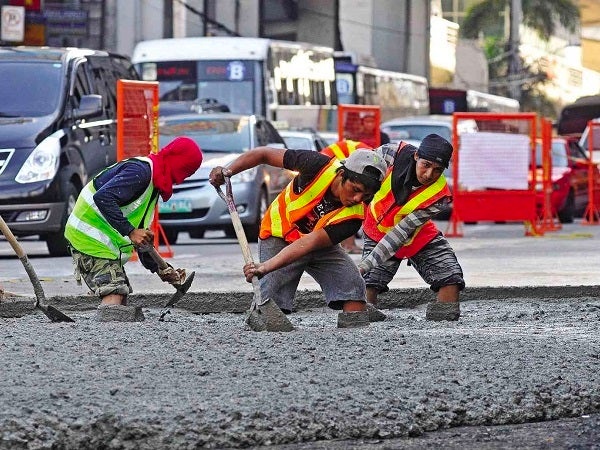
301,230
398,225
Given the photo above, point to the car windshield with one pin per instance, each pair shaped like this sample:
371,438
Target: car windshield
30,89
298,143
417,132
559,155
230,135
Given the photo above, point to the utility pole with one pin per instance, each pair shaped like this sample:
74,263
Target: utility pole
514,62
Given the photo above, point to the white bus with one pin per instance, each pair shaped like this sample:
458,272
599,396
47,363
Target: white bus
398,94
279,80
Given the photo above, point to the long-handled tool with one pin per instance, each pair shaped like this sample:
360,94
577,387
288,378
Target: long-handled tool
264,315
181,289
40,299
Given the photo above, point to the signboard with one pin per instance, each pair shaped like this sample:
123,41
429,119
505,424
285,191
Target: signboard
13,23
494,161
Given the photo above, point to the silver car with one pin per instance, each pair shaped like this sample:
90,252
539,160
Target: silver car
195,206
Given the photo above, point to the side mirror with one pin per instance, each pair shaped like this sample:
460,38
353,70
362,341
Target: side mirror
89,106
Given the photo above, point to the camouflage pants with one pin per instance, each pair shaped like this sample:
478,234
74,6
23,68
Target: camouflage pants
102,276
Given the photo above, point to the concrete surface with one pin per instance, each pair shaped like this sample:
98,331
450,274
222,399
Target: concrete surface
525,350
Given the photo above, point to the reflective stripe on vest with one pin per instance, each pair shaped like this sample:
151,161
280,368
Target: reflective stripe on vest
343,149
383,213
89,232
289,207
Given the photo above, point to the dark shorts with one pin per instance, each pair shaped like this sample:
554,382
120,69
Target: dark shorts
436,263
102,276
331,267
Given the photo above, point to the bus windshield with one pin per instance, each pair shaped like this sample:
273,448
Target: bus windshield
229,82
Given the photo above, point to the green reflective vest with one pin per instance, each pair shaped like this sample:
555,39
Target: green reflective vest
89,232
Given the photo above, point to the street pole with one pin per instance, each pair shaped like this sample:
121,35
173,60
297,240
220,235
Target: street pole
514,64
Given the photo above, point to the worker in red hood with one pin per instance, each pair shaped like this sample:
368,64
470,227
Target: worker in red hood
112,216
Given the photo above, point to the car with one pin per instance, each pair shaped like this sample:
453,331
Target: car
570,169
195,206
414,128
58,123
303,140
330,137
586,139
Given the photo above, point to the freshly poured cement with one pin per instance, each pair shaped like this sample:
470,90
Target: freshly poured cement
206,381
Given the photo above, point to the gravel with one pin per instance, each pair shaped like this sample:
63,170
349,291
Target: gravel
206,381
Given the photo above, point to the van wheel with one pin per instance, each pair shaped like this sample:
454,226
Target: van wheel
252,231
198,233
56,242
171,236
567,213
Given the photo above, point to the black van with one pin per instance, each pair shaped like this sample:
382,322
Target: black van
58,111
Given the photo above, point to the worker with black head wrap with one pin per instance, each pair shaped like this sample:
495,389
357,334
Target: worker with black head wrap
398,225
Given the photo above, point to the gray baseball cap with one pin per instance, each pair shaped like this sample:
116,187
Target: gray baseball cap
361,159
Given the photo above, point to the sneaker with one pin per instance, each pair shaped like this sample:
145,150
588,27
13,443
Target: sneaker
353,319
375,315
439,311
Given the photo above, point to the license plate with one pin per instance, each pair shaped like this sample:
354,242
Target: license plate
179,205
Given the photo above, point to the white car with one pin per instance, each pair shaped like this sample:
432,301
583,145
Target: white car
413,129
303,140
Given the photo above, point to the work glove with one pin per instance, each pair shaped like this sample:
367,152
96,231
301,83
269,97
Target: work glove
171,275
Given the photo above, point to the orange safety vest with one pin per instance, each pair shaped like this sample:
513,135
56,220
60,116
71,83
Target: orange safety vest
343,149
383,213
288,207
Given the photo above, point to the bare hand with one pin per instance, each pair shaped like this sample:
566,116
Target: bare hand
252,270
217,175
141,238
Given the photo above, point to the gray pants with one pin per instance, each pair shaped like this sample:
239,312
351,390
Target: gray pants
436,263
331,267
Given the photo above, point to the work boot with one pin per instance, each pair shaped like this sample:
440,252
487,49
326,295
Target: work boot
439,311
353,319
119,313
375,315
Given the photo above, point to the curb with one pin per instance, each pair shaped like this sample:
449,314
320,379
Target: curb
238,302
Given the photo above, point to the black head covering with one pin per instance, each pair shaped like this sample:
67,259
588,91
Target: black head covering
435,148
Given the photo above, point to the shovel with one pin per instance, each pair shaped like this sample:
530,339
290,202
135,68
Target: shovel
40,299
181,289
264,315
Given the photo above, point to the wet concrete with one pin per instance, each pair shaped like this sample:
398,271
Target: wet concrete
202,380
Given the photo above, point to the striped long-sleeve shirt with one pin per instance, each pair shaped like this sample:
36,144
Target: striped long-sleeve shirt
403,230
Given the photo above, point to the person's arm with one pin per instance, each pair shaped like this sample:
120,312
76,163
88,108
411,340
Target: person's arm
118,187
312,241
399,235
247,160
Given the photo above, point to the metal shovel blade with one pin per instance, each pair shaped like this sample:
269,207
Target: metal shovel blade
54,314
268,317
181,290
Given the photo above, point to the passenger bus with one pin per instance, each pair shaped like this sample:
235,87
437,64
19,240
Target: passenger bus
279,80
398,94
448,101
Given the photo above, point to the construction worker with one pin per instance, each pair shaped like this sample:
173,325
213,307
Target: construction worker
341,150
112,215
398,225
320,207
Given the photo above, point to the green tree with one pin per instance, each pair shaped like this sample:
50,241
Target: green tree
542,16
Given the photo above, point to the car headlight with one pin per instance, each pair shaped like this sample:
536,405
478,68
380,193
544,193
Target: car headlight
246,176
43,162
